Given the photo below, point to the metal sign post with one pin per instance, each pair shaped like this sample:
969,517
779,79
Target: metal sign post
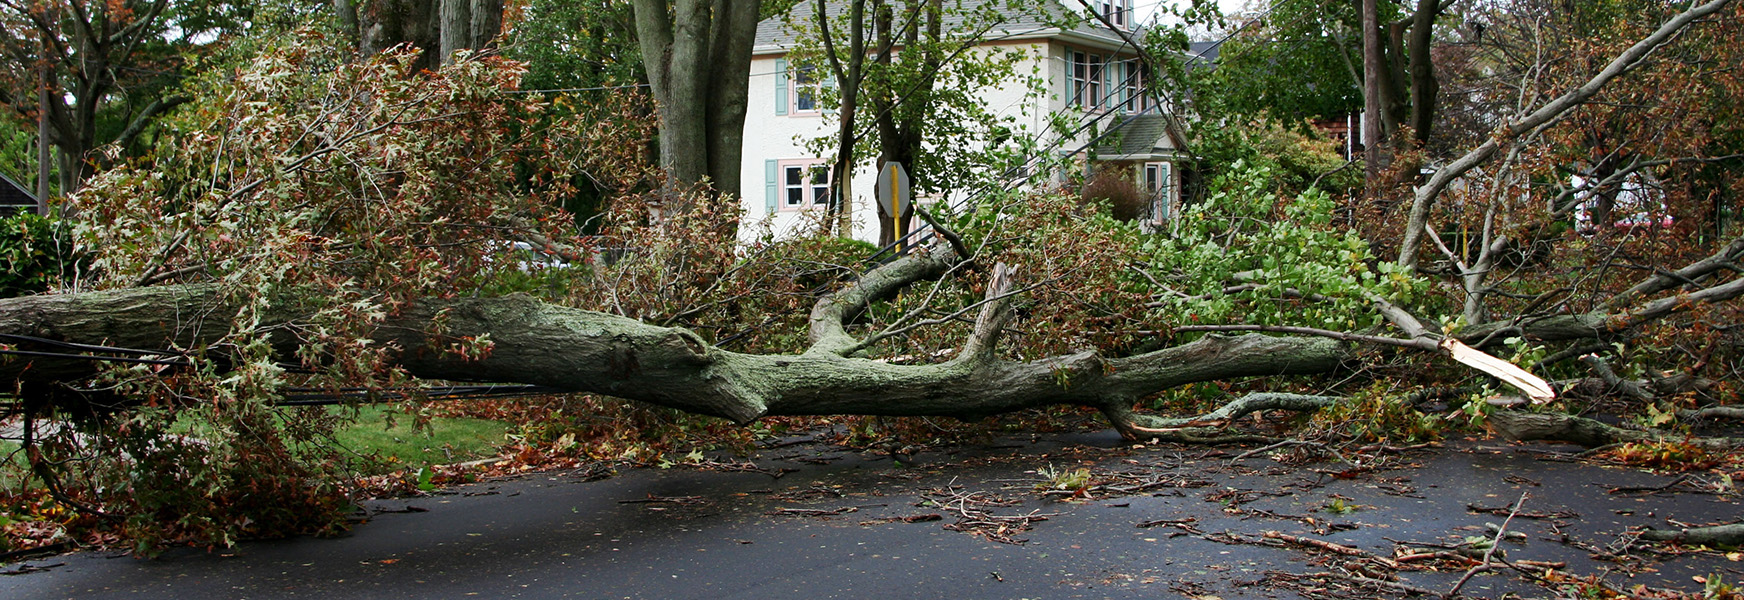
895,192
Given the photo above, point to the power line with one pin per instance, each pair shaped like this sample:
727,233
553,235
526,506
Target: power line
585,89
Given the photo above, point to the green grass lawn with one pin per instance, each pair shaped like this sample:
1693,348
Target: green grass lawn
400,447
12,465
403,446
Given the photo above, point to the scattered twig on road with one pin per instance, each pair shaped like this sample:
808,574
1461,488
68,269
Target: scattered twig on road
653,499
815,512
971,518
1330,547
1488,554
1650,489
922,518
1516,513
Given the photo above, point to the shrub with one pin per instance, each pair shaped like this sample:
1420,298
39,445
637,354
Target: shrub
1115,188
35,254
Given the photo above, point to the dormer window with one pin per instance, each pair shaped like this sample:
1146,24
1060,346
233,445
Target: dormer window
1118,12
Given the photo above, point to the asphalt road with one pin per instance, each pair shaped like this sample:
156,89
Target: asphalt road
833,528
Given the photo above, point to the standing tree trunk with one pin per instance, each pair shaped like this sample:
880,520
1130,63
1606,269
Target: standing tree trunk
1424,86
454,27
1399,84
43,155
850,77
899,135
698,57
1374,75
437,27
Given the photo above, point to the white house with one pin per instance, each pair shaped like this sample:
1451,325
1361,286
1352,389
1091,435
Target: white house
1091,74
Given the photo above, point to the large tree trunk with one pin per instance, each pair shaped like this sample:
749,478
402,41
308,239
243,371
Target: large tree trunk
849,77
698,56
1424,86
583,351
899,136
383,24
1374,97
437,27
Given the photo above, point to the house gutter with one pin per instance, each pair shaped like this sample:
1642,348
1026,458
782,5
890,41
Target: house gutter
1076,38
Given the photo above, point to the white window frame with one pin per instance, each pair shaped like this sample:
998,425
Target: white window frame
805,86
1158,180
1133,79
1088,75
1118,12
815,187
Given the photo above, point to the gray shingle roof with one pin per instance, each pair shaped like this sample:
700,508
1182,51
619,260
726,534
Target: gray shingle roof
774,34
1139,134
12,194
1204,52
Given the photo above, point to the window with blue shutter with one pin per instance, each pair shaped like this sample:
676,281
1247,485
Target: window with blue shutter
781,99
771,187
829,84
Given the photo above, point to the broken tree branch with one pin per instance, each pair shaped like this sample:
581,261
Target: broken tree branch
1426,195
1718,535
1520,425
584,351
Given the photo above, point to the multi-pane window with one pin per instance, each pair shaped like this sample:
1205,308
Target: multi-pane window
1158,178
1134,98
1103,82
805,89
1118,12
804,183
1087,80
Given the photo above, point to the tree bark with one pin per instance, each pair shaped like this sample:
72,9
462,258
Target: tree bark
698,57
1424,86
346,12
454,28
437,27
43,155
1718,535
1374,101
583,351
1526,426
849,77
899,136
383,24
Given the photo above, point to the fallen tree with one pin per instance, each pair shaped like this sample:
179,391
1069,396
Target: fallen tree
563,348
246,263
568,349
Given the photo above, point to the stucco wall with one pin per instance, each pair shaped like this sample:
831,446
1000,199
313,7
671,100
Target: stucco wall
770,136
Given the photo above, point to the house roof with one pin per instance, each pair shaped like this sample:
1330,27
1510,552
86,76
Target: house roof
774,35
1135,136
1203,53
13,196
